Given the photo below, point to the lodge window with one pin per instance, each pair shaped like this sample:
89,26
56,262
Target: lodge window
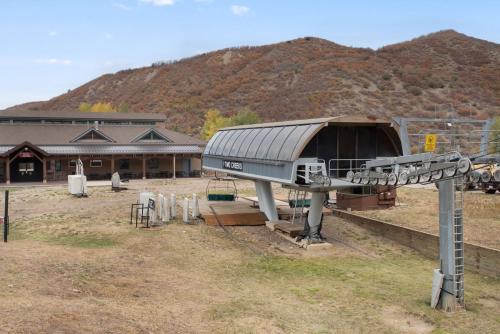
123,164
26,167
58,165
95,163
154,163
72,163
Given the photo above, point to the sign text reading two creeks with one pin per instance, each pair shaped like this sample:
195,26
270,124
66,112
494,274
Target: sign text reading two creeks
234,165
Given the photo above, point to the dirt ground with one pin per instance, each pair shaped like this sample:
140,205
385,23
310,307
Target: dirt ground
418,208
77,266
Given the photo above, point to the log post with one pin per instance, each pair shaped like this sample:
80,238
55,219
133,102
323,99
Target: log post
173,163
44,163
143,166
7,170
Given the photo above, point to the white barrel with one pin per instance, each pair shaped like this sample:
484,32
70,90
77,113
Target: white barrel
196,208
166,210
144,197
185,213
173,206
159,208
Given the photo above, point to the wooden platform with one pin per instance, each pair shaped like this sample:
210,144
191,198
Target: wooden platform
231,213
283,226
255,201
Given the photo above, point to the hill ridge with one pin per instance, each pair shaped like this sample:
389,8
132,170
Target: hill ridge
307,77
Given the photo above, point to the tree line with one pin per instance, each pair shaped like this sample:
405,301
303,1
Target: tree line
103,107
214,120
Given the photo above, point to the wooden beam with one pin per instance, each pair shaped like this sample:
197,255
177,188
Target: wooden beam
112,164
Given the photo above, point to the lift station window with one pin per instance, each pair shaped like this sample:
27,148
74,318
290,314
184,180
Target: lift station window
96,163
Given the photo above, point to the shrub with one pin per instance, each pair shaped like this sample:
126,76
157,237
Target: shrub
435,83
414,90
387,76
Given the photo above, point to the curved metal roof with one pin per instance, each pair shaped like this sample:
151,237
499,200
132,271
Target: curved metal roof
270,141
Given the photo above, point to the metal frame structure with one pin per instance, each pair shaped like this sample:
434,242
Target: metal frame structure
310,174
301,155
403,122
448,172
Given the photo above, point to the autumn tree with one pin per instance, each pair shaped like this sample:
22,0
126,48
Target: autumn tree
123,107
213,122
245,116
85,107
102,107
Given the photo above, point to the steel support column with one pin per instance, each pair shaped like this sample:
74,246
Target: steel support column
447,299
403,134
266,199
314,216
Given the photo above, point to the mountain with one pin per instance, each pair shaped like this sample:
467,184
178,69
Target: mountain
308,77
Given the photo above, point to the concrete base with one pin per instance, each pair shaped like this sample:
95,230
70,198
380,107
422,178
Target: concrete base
272,225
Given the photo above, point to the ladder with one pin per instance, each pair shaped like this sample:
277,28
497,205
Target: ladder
298,197
458,234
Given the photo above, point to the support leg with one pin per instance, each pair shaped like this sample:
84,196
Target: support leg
314,216
266,199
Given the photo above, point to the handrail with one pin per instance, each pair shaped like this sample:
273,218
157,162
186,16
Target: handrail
354,161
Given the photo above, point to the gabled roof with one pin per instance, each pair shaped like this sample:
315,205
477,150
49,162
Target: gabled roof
78,115
23,144
56,134
94,132
160,137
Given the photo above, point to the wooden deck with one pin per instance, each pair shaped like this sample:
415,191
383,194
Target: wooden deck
231,213
245,211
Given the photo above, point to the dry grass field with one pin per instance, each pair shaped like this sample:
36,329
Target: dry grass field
418,208
77,266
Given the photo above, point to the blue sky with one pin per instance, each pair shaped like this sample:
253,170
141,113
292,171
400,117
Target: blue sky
50,46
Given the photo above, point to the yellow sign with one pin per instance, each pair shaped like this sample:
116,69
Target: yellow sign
430,143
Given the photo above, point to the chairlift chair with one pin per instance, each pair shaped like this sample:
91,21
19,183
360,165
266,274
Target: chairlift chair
222,189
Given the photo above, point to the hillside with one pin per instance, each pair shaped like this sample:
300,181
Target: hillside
308,77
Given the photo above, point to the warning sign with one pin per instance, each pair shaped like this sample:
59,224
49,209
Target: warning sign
430,143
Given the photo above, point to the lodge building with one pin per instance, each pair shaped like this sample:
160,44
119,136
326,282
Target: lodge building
42,146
